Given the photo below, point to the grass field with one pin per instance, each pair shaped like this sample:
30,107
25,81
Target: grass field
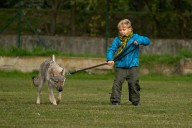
166,103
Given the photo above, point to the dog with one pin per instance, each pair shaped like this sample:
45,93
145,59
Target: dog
54,74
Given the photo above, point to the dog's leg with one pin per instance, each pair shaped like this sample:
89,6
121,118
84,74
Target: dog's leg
60,94
50,99
51,94
39,91
59,97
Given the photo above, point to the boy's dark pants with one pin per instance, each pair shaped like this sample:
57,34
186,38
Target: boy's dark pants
131,75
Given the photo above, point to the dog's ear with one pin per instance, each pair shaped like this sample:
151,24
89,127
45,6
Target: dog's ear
53,57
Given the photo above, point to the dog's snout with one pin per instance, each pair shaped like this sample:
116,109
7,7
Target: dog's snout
60,89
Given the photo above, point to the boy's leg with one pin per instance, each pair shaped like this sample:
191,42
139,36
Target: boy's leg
133,85
117,85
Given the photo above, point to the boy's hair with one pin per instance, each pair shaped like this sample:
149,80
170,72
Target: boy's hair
125,23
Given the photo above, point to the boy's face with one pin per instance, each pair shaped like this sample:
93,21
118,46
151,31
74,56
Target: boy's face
124,30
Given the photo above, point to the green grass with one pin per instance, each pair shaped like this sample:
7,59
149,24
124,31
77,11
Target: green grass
147,60
166,102
151,60
39,51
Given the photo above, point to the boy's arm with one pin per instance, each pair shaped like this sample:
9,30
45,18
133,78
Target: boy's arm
142,40
111,51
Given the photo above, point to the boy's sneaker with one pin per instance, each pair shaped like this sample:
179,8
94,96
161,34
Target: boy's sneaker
115,103
136,103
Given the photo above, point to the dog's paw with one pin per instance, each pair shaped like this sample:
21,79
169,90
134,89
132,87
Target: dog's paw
55,104
37,103
58,101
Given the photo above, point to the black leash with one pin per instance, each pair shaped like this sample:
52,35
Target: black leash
71,73
121,55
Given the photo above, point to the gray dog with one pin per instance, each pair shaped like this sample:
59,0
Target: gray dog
55,75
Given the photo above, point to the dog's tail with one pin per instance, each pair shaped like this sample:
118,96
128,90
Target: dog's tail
35,81
53,57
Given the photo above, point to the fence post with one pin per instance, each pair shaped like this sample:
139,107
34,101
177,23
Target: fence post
19,25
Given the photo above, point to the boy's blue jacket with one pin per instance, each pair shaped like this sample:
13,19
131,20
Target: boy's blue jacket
132,58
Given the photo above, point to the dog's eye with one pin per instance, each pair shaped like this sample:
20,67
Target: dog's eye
56,81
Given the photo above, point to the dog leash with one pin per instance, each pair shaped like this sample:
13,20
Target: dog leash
74,72
121,55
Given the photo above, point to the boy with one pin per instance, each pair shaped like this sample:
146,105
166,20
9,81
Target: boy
124,53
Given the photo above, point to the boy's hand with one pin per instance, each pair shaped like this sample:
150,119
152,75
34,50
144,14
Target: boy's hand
110,62
135,43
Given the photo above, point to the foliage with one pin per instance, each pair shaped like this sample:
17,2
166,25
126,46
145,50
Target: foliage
39,51
13,51
160,18
185,53
165,59
159,59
